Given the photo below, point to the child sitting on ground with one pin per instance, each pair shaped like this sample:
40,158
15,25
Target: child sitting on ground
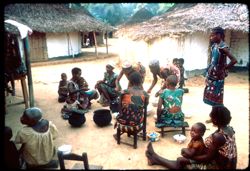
171,100
11,155
63,88
195,147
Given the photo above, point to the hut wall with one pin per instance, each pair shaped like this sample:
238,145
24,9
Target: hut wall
164,49
195,51
38,47
61,44
133,50
99,38
193,48
239,47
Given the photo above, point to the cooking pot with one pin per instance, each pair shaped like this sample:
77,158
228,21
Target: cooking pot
102,117
76,118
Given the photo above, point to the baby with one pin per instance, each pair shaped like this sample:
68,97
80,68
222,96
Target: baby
63,88
195,147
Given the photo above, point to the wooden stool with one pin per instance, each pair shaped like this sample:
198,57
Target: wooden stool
183,129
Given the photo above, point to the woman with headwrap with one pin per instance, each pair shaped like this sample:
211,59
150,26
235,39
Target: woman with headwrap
217,69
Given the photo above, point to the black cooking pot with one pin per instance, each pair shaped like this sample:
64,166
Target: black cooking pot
76,118
102,117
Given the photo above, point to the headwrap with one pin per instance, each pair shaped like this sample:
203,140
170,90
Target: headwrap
126,64
154,62
112,64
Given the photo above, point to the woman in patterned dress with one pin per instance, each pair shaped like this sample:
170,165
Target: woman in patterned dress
132,104
221,152
106,87
217,69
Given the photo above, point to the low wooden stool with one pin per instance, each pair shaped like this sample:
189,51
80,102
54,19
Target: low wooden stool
183,129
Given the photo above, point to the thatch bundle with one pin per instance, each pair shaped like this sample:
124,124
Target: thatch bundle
53,18
188,19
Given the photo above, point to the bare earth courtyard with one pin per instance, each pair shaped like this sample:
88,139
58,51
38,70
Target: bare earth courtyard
99,143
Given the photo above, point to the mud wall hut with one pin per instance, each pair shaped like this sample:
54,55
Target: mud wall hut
183,32
57,29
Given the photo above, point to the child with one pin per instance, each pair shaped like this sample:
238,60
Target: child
171,99
195,147
11,155
63,88
182,71
175,62
37,138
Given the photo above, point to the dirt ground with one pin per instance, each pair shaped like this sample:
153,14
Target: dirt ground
99,143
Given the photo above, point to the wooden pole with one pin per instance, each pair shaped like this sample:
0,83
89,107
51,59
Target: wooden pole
95,44
28,66
107,50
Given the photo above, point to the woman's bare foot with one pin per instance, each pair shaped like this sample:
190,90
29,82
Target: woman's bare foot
151,155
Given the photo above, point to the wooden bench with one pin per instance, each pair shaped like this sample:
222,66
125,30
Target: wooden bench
183,128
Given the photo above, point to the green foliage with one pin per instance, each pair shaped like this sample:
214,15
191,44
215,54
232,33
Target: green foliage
117,13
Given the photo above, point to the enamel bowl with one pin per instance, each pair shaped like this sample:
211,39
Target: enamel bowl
153,136
179,138
66,149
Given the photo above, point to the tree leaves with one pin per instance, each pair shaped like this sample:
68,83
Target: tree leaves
117,13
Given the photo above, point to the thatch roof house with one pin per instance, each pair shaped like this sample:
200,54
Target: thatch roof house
183,31
56,28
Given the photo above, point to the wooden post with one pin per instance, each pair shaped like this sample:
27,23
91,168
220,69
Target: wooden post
28,66
25,92
107,43
95,44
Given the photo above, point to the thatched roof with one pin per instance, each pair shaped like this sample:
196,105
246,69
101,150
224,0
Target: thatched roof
12,29
178,6
189,19
53,18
